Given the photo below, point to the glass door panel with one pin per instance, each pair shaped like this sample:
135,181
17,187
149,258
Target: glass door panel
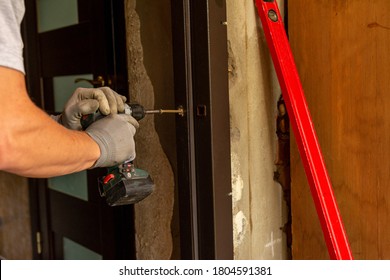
54,14
75,251
73,184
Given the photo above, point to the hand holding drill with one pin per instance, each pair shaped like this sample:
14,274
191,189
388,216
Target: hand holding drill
114,133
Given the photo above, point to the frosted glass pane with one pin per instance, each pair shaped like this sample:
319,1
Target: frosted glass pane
75,251
73,184
64,86
54,14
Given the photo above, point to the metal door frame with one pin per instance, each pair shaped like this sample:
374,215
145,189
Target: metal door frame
204,170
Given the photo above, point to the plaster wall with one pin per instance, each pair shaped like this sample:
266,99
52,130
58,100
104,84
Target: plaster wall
259,211
150,82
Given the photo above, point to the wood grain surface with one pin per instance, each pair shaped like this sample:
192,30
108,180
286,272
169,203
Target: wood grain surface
342,53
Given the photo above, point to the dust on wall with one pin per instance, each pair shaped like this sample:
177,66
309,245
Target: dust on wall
259,212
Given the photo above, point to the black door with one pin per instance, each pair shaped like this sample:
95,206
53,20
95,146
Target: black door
66,40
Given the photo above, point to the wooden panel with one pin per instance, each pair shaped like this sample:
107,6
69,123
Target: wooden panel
342,54
73,218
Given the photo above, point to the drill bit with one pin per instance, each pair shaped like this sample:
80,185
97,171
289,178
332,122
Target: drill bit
179,111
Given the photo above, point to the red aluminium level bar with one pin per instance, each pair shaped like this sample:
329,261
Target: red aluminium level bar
320,186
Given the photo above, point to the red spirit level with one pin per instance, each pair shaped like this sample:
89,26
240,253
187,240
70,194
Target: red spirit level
320,186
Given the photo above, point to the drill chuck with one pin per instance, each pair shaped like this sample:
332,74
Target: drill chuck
137,111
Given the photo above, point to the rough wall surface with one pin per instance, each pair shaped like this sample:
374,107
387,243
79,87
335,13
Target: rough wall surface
258,209
15,230
153,215
156,30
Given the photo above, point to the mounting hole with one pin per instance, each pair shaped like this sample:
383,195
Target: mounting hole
201,110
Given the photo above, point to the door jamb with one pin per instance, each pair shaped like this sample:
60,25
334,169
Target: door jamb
201,86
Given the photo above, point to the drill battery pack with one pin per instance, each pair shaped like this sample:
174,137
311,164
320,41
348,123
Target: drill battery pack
125,185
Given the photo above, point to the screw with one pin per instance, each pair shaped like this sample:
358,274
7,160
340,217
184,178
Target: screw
179,111
273,15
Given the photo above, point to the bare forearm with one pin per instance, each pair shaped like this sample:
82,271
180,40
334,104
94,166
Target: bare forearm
46,149
34,145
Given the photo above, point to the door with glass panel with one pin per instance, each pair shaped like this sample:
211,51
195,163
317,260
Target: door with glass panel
69,41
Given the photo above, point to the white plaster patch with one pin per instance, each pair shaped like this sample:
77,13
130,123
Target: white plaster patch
237,181
238,186
239,228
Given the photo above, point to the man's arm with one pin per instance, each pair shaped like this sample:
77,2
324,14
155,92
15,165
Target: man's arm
31,143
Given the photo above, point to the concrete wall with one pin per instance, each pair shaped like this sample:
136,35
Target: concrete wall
258,208
153,216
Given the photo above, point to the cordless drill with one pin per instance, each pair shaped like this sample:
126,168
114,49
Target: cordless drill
125,184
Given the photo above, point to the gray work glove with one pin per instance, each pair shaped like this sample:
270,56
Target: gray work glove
115,136
85,101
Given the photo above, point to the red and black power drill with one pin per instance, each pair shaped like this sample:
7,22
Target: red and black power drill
124,184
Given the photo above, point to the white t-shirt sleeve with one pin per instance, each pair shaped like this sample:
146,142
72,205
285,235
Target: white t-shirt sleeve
11,44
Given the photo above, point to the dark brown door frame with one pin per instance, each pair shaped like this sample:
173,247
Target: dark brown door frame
203,136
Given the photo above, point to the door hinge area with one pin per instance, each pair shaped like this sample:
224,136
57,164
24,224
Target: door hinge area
39,243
